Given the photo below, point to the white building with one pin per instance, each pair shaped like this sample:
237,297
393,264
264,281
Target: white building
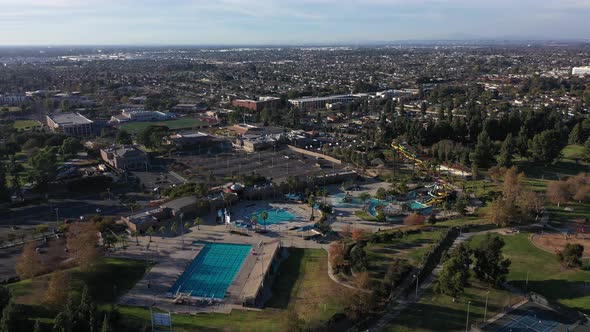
581,71
141,115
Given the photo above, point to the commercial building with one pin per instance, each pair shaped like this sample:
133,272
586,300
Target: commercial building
13,100
257,105
581,71
143,220
125,158
73,124
314,103
184,139
141,115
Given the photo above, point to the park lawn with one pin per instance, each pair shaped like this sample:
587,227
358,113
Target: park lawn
411,247
26,124
546,275
364,215
573,152
436,312
182,123
303,285
112,278
560,215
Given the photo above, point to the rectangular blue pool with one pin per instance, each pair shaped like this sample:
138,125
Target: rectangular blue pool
213,270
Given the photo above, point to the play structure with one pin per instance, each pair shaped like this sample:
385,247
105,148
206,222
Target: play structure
439,191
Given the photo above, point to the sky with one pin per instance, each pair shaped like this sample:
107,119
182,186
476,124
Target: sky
266,22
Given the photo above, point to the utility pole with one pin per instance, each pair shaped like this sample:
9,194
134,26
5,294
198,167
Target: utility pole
467,322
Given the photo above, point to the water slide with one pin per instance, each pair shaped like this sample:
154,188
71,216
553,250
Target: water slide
440,191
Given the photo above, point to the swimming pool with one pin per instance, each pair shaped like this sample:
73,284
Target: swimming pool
374,203
275,216
213,270
415,205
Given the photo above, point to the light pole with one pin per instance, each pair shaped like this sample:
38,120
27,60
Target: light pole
57,214
182,229
467,322
416,276
527,282
485,310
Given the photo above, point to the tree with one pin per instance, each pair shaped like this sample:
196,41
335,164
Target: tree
454,275
151,232
337,254
571,255
357,234
198,222
42,167
123,138
264,216
29,263
546,146
483,152
5,297
58,289
512,186
381,194
576,135
359,299
491,267
82,240
311,202
557,192
461,206
414,219
70,147
506,152
174,227
365,196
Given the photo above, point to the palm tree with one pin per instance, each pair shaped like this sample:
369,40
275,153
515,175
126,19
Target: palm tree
254,219
162,230
136,234
187,225
264,216
198,221
311,202
174,228
150,232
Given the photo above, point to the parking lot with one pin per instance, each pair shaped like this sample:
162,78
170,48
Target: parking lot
220,168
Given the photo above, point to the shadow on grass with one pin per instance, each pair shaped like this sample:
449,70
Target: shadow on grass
110,279
289,270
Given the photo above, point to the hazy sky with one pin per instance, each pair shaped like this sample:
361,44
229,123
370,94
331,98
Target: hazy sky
285,21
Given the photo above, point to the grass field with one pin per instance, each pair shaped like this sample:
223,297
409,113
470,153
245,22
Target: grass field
26,124
411,247
182,123
303,285
546,275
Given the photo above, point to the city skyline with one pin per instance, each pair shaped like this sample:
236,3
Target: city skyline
268,22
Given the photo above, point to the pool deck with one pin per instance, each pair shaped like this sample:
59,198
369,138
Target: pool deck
158,280
170,264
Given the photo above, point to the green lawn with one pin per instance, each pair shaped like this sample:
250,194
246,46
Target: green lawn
573,151
26,124
435,312
411,247
303,285
364,215
546,275
182,123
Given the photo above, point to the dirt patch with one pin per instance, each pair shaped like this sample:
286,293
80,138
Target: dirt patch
555,242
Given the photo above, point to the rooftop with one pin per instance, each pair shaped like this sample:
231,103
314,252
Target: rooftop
69,118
